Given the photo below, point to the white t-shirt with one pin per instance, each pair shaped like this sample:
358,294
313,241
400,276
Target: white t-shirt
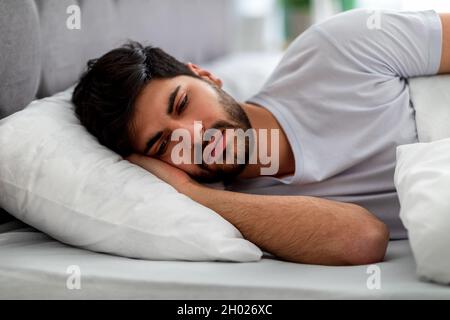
341,95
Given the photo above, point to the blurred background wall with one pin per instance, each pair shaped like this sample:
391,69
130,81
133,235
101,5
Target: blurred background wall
270,25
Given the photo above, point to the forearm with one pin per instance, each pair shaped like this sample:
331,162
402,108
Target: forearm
445,59
295,228
299,228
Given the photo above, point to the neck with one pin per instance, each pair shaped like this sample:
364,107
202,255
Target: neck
260,118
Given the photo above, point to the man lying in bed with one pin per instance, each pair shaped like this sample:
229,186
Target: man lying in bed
340,102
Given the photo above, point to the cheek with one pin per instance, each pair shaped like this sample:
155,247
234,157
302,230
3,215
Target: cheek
208,111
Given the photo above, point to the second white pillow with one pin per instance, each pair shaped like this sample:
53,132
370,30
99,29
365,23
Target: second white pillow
422,179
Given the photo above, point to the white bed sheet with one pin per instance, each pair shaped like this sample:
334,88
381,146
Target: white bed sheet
34,266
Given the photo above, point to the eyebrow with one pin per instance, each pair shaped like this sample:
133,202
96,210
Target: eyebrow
158,135
171,100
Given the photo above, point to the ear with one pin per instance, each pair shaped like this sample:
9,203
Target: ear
205,74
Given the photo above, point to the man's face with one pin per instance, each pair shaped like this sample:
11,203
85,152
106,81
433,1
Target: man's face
166,105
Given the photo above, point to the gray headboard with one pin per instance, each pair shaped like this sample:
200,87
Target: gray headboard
40,55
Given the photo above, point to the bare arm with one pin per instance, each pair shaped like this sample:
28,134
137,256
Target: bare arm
299,228
445,59
294,228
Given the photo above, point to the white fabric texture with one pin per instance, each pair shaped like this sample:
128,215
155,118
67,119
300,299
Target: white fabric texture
56,177
422,179
244,73
32,266
431,100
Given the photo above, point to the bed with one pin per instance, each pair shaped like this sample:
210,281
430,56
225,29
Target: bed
34,266
41,56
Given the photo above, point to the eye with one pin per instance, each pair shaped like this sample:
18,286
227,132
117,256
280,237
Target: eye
162,147
183,104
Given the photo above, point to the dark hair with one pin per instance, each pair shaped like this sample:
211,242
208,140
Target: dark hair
105,95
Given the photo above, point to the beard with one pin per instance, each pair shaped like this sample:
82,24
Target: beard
236,119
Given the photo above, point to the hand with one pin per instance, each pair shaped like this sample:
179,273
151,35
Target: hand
177,178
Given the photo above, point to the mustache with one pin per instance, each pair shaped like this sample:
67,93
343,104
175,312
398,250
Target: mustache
221,126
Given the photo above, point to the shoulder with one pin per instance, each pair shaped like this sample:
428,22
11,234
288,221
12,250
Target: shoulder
334,32
348,26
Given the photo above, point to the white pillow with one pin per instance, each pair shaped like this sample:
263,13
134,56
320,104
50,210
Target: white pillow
57,178
243,74
431,100
422,179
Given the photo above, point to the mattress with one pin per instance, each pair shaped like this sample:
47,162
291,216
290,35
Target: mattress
34,266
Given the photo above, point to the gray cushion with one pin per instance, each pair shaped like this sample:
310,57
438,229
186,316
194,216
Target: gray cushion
194,30
99,32
62,59
36,42
19,56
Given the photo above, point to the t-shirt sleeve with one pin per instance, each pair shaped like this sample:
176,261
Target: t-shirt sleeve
394,43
